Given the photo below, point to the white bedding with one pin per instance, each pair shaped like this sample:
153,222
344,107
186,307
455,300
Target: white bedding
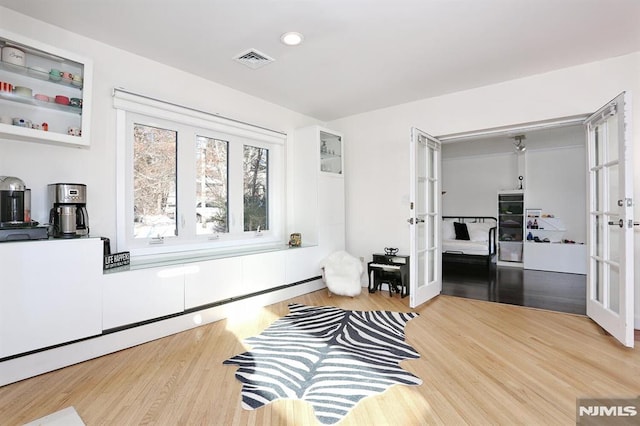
465,247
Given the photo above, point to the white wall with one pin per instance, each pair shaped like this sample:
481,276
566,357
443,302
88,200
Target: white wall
472,183
40,164
557,183
377,154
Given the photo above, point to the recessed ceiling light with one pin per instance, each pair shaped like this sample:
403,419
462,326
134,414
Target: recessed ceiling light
291,38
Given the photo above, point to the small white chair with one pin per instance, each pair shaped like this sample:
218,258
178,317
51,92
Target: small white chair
341,272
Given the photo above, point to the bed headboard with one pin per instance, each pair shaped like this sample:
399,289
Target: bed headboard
471,219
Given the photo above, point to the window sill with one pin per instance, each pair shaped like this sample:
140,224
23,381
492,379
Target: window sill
179,258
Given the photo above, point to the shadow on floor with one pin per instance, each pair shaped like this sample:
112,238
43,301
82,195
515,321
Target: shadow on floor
553,291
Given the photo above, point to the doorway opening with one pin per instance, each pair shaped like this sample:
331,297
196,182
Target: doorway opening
542,263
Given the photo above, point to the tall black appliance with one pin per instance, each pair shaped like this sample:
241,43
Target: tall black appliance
68,215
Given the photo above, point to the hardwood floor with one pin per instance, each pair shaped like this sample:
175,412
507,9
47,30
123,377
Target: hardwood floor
481,363
536,289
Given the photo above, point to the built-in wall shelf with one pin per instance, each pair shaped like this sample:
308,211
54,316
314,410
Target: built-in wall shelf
546,228
53,102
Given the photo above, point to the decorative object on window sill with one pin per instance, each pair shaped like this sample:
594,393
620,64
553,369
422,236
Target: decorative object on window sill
295,240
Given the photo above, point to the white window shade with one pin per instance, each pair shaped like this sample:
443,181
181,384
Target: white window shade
132,102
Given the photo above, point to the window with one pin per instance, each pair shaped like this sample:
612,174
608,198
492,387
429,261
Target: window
256,191
154,181
212,190
190,180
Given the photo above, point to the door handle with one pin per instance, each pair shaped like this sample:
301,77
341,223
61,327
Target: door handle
620,223
416,220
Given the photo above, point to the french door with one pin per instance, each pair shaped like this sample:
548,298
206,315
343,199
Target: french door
425,216
610,278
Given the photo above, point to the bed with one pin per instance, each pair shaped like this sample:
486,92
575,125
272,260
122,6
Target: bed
469,239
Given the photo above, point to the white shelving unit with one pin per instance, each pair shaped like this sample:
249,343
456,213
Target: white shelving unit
35,75
549,253
511,228
549,228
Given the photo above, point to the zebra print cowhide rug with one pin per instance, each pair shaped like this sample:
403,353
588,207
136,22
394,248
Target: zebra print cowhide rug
326,356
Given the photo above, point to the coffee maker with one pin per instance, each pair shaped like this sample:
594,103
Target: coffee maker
12,201
15,212
68,217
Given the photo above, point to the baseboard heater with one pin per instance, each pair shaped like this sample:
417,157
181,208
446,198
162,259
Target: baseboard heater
177,314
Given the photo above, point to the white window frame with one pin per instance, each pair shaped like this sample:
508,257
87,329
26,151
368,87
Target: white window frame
133,108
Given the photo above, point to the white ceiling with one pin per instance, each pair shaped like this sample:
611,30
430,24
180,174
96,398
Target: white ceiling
541,139
358,55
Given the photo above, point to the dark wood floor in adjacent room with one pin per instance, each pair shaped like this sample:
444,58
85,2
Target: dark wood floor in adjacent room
553,291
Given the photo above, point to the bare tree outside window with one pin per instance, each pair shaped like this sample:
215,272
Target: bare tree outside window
256,197
154,182
211,186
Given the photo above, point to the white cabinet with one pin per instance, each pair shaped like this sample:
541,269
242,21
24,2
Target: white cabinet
49,293
318,187
217,280
130,297
556,257
47,74
303,263
212,281
263,271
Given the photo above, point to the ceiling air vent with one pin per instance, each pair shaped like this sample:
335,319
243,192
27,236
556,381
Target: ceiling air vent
253,59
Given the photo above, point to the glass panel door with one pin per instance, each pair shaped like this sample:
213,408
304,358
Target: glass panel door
610,272
426,252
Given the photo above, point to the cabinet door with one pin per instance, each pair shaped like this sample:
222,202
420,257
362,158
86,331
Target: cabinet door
212,281
302,264
130,297
330,153
331,206
262,271
50,293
